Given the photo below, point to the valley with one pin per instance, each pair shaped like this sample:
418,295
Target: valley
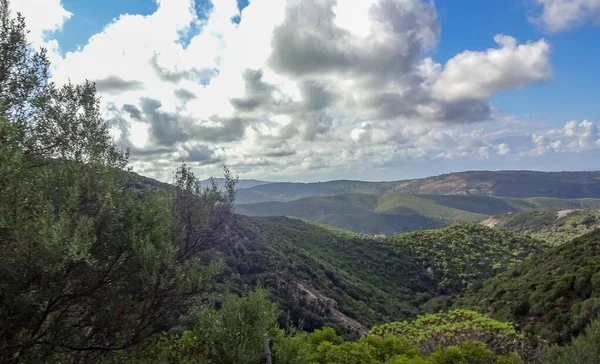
374,212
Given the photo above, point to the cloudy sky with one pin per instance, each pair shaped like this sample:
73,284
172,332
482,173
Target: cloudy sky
311,90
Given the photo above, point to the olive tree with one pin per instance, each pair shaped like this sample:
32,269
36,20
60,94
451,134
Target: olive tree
87,266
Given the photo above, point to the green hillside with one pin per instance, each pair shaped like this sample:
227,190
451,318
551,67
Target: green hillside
325,276
393,213
461,254
555,227
554,294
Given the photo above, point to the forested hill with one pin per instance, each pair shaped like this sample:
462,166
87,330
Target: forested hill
393,213
326,276
555,294
519,184
555,227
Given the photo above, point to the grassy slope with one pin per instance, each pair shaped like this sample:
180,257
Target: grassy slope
548,226
366,279
554,294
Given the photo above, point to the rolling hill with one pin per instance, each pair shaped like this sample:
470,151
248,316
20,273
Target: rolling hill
241,184
393,213
554,294
324,276
517,184
555,227
460,254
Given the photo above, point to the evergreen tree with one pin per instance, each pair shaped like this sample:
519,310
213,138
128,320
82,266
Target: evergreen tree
88,266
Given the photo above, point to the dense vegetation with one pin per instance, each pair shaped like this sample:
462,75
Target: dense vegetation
551,226
324,276
554,295
87,266
465,253
234,334
583,349
393,213
445,329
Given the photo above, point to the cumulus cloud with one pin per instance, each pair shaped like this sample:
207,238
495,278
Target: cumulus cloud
298,87
43,18
558,15
478,75
573,137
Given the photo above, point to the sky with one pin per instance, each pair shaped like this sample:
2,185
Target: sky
310,90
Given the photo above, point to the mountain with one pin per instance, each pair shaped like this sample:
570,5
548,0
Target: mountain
555,227
518,184
242,183
393,213
324,276
554,294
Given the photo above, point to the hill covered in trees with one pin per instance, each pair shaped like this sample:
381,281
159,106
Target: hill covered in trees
461,254
351,281
555,227
554,294
393,213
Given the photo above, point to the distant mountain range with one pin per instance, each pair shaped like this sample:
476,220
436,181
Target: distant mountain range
242,184
393,213
518,184
427,203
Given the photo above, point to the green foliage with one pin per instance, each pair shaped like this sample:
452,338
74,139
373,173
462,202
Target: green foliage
87,266
461,324
548,226
229,335
375,349
329,277
585,349
320,276
464,253
446,329
225,336
554,294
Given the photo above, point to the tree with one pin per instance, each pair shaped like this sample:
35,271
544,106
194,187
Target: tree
584,349
88,267
230,334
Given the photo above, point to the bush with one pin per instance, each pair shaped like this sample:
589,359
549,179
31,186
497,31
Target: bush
585,349
445,329
229,335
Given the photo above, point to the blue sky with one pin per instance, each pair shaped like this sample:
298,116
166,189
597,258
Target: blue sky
571,93
509,84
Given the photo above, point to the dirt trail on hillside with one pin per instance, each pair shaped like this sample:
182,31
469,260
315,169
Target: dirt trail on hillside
562,213
490,222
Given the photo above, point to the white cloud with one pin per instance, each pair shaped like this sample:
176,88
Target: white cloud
558,15
479,75
503,149
43,18
573,137
299,87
